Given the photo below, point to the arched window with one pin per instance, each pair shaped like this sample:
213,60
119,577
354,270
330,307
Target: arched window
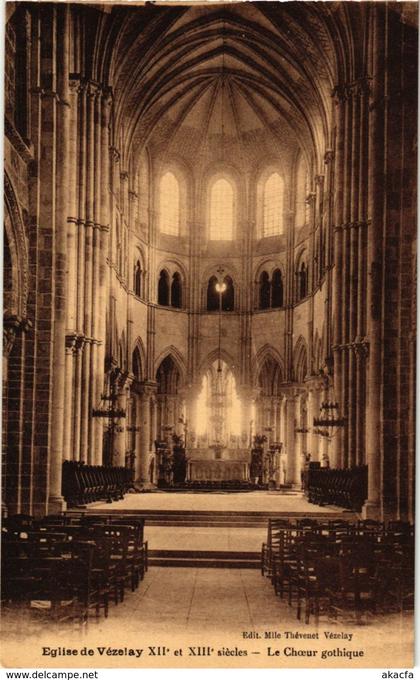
176,291
136,361
302,191
212,295
137,279
264,290
228,296
302,281
273,205
277,289
169,204
221,211
163,288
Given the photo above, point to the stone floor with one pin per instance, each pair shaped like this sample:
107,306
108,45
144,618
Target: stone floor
205,538
175,609
253,501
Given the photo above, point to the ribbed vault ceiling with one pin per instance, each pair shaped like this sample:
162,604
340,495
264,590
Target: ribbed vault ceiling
239,79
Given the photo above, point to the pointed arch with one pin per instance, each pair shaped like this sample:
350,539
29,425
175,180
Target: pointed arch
268,352
168,376
177,357
300,360
138,359
212,356
270,377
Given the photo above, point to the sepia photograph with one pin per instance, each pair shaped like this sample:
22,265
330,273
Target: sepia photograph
209,335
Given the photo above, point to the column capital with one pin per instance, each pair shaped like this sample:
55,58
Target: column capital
328,156
13,324
293,393
71,339
360,347
248,393
147,388
115,154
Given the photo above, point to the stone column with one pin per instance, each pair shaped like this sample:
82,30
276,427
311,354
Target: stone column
77,401
144,455
153,422
281,421
68,413
350,434
337,288
144,452
56,502
137,437
120,443
299,441
105,217
313,412
85,401
290,443
374,421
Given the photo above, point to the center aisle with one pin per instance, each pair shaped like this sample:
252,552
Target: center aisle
211,609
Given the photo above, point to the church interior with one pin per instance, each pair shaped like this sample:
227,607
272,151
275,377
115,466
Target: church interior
209,285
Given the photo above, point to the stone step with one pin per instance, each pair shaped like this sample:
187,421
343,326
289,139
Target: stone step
167,522
215,559
204,563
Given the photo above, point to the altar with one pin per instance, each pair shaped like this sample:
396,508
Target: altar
217,470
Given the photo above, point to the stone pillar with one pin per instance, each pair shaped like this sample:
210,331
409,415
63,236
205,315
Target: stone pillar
144,452
282,421
299,441
290,415
138,437
68,413
77,398
374,420
146,438
337,288
277,407
313,412
104,215
85,400
153,422
56,502
120,443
